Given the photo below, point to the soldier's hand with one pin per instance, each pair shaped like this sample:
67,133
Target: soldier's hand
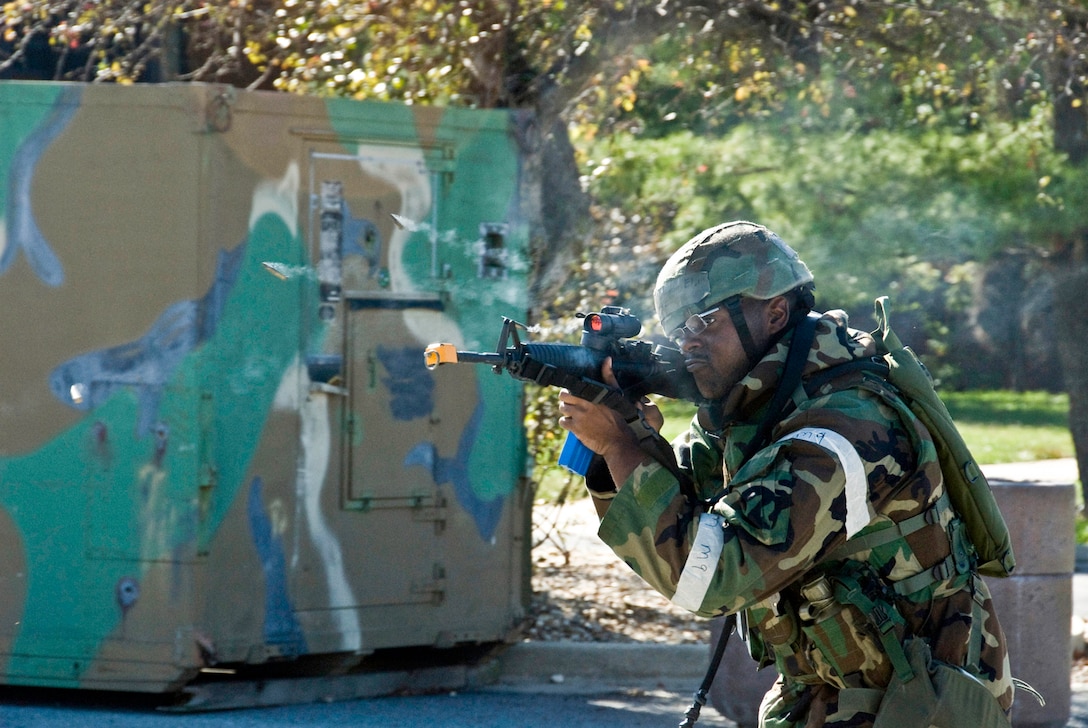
651,413
600,428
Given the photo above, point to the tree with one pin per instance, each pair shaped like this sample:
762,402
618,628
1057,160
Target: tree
121,41
963,67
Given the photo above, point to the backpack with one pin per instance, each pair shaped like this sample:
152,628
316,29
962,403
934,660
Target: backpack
967,487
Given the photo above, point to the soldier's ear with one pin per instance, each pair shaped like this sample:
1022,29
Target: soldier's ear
777,314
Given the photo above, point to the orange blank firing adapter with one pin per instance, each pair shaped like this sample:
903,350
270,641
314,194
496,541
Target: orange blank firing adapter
436,354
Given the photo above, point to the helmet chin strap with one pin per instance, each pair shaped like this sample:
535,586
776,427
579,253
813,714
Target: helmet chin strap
711,415
736,314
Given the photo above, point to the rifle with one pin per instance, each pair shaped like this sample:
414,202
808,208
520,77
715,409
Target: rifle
640,368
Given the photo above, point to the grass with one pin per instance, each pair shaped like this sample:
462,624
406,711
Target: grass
998,426
1007,427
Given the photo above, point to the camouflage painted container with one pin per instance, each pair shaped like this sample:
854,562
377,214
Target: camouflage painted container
219,445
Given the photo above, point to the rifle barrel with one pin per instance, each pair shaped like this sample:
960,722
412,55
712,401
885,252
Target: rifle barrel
481,357
436,354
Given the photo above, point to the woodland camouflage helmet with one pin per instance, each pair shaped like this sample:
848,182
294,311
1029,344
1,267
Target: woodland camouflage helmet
733,260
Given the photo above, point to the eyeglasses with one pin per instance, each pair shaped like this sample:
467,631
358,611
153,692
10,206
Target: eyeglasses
693,326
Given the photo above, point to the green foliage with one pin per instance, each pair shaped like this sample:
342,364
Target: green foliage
428,52
841,64
909,214
926,195
109,40
678,416
545,441
680,65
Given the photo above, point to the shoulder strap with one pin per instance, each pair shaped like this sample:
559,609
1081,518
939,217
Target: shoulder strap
875,365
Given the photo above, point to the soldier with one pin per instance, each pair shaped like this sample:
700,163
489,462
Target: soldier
824,524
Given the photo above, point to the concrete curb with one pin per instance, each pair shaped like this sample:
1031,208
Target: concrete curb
594,667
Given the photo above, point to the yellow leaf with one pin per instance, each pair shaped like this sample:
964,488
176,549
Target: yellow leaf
1077,103
850,11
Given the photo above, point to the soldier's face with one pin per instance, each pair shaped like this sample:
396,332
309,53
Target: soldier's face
716,358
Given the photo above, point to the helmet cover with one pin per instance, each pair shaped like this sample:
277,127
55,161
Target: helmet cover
733,259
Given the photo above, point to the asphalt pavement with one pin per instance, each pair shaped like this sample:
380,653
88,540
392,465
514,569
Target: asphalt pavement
454,709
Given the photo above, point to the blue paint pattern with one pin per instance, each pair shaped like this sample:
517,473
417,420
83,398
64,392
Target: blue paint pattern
281,628
147,364
455,470
22,230
410,384
362,238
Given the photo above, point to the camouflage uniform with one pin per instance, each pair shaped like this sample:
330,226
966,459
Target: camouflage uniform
850,460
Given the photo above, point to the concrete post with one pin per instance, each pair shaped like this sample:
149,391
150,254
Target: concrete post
1035,605
738,687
